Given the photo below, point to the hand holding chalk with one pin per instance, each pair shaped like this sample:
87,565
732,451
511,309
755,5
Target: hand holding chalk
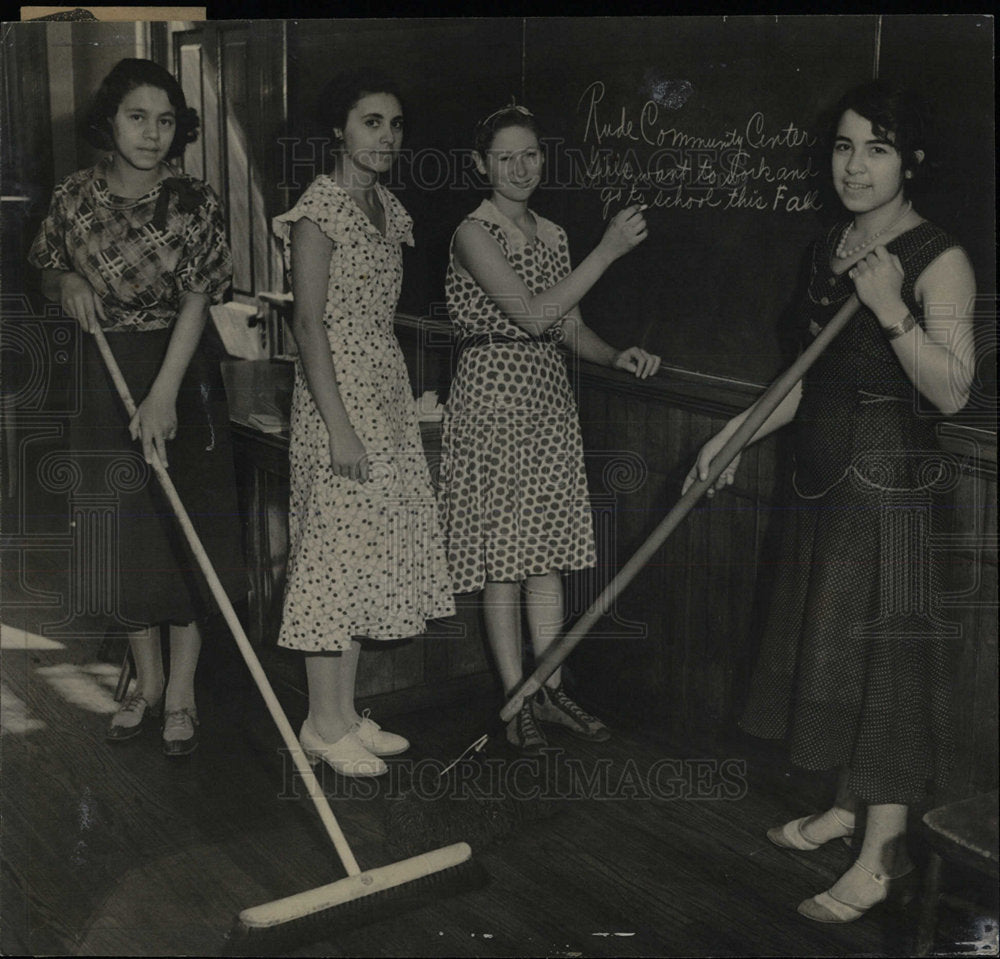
626,231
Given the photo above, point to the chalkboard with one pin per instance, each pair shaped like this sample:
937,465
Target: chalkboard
712,121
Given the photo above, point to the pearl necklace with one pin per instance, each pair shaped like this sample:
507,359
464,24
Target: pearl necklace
843,254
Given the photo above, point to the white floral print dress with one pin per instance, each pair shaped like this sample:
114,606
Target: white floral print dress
365,559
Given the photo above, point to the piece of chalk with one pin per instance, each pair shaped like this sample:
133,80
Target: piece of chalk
644,206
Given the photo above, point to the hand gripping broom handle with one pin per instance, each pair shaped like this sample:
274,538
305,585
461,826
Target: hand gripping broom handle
768,402
249,656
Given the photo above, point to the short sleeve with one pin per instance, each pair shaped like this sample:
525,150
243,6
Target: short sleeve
206,264
324,205
48,251
400,226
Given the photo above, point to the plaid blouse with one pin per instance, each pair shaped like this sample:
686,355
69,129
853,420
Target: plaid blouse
142,254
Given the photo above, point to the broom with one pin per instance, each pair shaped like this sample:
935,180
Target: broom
363,895
412,817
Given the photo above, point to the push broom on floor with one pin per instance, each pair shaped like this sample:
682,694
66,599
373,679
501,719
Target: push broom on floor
362,896
413,821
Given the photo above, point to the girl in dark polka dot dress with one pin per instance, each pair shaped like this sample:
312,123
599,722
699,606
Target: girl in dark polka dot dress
514,493
854,664
366,557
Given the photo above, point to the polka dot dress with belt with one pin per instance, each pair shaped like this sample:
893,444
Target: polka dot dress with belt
365,559
514,499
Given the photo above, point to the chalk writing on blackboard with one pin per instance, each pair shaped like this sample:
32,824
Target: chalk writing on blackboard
635,154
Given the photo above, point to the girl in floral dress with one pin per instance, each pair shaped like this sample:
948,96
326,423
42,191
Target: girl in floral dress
514,501
366,557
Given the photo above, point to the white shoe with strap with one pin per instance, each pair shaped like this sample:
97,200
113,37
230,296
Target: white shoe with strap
875,888
792,834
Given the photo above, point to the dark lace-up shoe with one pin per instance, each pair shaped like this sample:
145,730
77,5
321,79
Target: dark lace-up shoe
523,732
132,717
554,707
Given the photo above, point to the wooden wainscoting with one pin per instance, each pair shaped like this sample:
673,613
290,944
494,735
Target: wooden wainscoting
677,651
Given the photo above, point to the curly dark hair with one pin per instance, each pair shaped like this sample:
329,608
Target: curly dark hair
897,114
124,77
509,116
342,93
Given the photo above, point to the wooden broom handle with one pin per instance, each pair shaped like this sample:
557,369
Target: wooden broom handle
250,657
762,409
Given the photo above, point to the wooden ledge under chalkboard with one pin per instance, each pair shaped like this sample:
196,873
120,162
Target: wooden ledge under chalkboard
976,446
704,392
971,436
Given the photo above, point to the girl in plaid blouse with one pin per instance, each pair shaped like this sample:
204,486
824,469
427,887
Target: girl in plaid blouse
140,251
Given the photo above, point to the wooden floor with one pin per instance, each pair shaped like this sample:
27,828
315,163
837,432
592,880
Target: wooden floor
112,849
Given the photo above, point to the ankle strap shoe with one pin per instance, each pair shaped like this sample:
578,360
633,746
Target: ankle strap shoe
792,836
826,907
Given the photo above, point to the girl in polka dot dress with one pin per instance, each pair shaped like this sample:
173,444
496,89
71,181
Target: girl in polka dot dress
514,493
366,557
854,667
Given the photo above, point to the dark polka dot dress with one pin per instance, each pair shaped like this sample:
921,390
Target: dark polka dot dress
855,661
514,499
365,559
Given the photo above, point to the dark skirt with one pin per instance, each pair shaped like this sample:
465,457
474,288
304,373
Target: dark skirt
855,667
143,572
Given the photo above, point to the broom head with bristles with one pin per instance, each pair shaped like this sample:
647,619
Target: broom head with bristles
354,901
474,800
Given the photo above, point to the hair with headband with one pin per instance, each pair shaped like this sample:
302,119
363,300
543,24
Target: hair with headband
511,115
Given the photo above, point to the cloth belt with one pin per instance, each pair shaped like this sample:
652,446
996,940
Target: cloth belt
489,339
